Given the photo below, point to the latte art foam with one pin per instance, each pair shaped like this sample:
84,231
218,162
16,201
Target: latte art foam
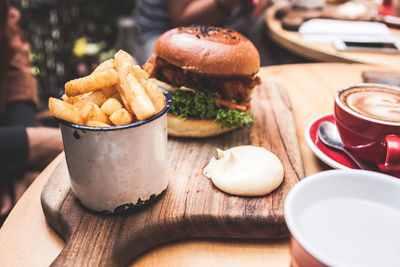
377,103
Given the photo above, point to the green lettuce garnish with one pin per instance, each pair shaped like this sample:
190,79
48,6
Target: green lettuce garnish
186,104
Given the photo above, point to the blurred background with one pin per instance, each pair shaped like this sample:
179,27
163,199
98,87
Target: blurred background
68,38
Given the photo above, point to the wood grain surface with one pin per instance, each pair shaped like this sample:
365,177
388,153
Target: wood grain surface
191,207
324,51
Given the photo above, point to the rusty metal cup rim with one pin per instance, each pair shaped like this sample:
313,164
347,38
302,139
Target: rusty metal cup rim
168,102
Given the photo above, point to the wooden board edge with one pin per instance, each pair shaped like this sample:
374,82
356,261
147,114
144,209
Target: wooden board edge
55,189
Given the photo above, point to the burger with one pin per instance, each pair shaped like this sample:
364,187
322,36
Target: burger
210,73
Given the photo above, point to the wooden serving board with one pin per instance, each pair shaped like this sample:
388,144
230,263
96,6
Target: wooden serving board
191,207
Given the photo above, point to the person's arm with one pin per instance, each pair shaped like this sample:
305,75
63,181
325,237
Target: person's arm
14,142
22,144
19,83
20,113
13,152
201,12
18,98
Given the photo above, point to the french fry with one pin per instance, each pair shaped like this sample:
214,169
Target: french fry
115,93
118,97
71,100
84,107
64,111
91,112
150,64
95,114
97,124
123,98
122,62
64,97
155,94
164,85
105,65
137,98
96,97
110,90
110,106
80,104
138,72
121,117
152,90
91,83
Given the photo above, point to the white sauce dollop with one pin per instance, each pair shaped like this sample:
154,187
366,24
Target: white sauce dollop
245,171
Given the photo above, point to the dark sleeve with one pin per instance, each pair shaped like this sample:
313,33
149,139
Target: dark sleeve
13,152
20,113
14,140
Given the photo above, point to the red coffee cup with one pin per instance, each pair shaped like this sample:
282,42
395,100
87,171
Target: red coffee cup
367,133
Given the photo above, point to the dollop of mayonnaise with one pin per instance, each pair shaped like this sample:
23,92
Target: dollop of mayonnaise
245,171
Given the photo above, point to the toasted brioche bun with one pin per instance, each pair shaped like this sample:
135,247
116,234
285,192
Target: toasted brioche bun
208,50
195,128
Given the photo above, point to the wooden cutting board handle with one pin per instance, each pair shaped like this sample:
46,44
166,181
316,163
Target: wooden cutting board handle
93,239
191,206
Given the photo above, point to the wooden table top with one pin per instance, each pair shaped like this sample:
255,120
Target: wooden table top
325,52
27,240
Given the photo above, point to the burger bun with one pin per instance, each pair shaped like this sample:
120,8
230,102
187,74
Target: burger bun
194,128
209,50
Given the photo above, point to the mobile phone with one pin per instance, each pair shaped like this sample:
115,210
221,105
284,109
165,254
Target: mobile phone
367,46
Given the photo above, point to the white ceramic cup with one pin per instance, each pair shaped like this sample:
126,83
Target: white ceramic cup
344,218
116,168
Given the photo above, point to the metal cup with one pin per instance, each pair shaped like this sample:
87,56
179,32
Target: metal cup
116,168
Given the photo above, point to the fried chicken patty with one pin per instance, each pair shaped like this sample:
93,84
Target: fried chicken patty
233,88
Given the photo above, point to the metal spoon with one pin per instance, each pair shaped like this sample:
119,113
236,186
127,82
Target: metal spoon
329,135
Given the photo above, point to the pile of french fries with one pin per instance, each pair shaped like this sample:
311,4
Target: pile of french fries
115,93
